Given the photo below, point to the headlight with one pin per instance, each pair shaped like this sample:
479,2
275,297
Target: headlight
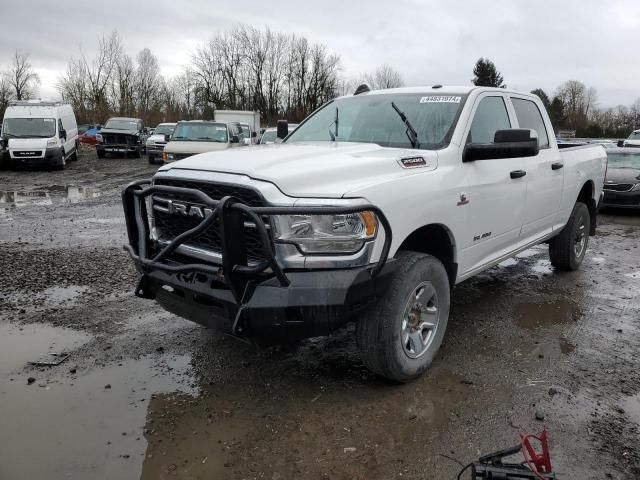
340,234
52,143
636,187
98,138
167,156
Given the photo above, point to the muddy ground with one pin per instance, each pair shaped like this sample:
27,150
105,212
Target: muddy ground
148,395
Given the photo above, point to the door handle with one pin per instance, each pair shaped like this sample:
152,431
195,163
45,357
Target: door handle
517,174
557,165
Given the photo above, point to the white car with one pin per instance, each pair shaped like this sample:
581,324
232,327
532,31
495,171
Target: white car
371,211
270,135
37,133
156,142
633,140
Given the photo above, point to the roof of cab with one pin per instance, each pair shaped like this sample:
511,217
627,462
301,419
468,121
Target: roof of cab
440,90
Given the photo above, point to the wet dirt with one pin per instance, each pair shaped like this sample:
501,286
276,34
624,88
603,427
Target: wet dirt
184,402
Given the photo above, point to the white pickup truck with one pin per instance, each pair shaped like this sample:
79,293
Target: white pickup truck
370,211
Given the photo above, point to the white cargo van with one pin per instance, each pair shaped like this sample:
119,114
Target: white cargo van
248,120
37,133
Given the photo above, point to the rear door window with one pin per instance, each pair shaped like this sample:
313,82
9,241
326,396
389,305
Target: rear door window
529,116
491,116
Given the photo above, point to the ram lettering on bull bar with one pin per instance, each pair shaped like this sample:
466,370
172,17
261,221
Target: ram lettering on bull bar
228,214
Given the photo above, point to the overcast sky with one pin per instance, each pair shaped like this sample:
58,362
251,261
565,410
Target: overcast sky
533,43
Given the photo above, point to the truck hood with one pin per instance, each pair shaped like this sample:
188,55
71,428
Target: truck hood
322,169
28,143
155,138
195,147
622,175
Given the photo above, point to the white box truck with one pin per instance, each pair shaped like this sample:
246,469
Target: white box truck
37,133
248,121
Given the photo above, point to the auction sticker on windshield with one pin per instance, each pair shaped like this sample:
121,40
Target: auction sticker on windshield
440,99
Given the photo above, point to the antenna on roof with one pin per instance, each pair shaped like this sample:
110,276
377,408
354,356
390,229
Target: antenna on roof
364,88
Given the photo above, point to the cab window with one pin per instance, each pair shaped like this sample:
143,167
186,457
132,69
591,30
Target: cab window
529,116
491,116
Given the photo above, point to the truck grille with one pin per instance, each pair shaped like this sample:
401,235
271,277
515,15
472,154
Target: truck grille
27,153
118,139
618,187
168,226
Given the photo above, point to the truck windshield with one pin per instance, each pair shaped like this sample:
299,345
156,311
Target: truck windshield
29,127
200,132
164,130
624,160
634,136
121,125
372,119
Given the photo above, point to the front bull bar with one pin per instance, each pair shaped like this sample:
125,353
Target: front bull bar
228,213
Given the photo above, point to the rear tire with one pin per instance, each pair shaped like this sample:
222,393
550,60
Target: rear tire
399,336
152,159
567,249
74,156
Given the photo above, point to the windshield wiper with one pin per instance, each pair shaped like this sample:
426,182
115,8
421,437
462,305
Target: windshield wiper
410,131
335,122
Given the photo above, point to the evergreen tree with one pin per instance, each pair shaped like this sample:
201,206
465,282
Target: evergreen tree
486,74
543,96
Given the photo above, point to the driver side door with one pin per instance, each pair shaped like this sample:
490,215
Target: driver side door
496,189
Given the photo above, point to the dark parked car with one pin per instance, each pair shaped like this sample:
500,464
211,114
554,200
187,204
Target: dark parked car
622,183
121,135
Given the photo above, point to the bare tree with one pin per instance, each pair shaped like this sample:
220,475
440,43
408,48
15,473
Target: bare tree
578,101
21,77
6,94
148,82
124,87
384,77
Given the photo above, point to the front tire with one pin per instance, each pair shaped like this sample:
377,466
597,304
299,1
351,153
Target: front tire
567,249
399,336
101,153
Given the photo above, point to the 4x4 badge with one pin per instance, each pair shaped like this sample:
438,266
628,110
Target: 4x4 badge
412,162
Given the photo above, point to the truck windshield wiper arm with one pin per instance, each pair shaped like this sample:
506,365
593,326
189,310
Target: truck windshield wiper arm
334,134
411,132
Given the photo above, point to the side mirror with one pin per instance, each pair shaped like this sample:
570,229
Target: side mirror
167,137
235,139
511,143
99,127
62,133
621,143
283,129
254,134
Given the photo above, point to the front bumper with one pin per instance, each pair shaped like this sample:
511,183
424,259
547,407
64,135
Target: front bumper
118,148
258,300
48,157
155,150
629,200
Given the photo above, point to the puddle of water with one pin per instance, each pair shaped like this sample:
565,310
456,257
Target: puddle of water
532,316
566,347
631,407
509,262
69,425
49,298
542,266
20,344
229,434
47,196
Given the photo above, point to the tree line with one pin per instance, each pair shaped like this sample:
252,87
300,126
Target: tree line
573,107
280,75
